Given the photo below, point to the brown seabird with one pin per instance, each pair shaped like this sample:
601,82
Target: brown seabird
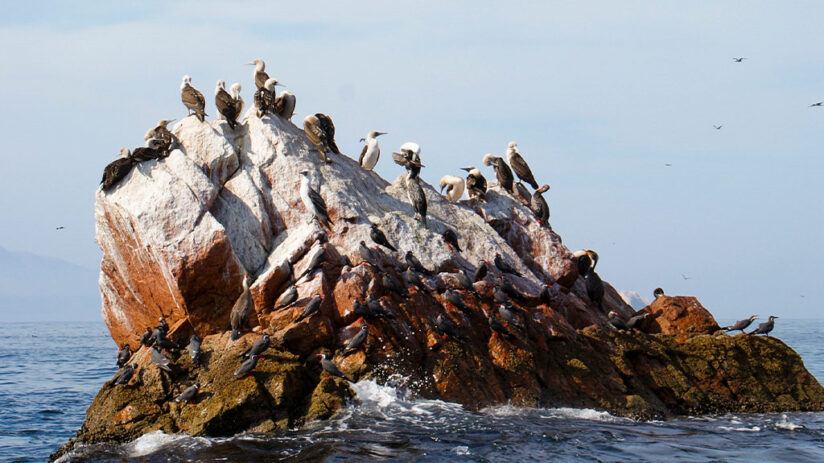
225,104
193,99
475,183
502,171
519,165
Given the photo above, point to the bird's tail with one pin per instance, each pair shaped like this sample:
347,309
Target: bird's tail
232,123
201,115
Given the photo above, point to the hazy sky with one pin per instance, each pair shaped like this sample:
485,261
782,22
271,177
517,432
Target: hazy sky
599,97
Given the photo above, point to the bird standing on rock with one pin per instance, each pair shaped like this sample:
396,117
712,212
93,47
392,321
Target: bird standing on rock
311,307
410,158
391,283
502,171
188,394
355,341
379,238
330,367
455,300
765,327
225,104
320,131
160,360
740,325
497,327
161,133
260,72
193,99
481,271
241,309
658,293
123,355
257,347
414,191
246,367
504,267
146,338
636,319
454,187
539,206
194,349
313,201
415,264
617,322
125,375
265,98
371,151
451,238
287,298
365,254
520,166
445,326
475,183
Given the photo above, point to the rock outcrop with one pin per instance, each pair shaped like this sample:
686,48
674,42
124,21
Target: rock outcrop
179,233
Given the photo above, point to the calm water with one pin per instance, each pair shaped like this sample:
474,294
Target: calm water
45,388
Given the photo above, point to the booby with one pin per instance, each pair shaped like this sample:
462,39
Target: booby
658,293
237,100
311,307
320,131
475,183
161,132
740,325
765,327
265,98
260,72
313,201
636,319
617,322
355,341
188,394
504,267
125,375
116,170
225,104
329,367
160,360
371,151
410,158
285,104
454,187
287,298
257,347
193,99
152,150
414,192
502,171
451,238
520,166
241,309
123,355
413,263
539,206
379,238
246,367
194,349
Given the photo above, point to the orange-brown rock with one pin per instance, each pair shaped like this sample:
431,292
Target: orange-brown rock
681,315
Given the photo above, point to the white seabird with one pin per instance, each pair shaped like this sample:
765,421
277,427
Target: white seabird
372,151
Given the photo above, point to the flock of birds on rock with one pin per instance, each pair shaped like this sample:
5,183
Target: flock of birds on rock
320,132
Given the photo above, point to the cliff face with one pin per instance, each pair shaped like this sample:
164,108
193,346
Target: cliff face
179,233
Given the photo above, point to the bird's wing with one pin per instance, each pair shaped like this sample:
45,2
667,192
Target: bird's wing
316,135
522,169
192,98
225,104
325,123
318,202
362,154
400,159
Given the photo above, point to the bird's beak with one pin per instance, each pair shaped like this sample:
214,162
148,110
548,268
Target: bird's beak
466,169
280,85
381,133
444,186
250,64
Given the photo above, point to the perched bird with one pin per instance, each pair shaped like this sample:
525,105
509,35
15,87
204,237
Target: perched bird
414,192
499,295
520,166
194,349
362,310
246,367
454,187
366,255
260,72
451,238
355,341
475,183
188,394
379,238
504,267
463,280
320,131
285,104
146,338
265,98
390,283
125,375
504,310
636,319
539,206
118,169
329,367
502,171
587,259
740,325
225,104
446,326
311,307
510,290
315,262
160,360
241,309
738,60
497,327
123,355
162,133
256,348
410,158
160,340
415,264
481,272
765,327
371,151
237,100
287,298
313,201
150,151
162,325
454,299
617,322
414,278
657,293
193,99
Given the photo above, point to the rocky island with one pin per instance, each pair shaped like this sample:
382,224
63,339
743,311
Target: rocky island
178,235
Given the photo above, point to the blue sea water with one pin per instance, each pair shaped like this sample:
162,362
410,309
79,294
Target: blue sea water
49,374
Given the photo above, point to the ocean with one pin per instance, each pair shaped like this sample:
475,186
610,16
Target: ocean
49,374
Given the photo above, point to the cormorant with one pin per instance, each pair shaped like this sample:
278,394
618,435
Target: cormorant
193,99
241,309
475,183
539,206
740,325
371,151
123,355
379,238
502,171
410,158
520,166
765,327
414,191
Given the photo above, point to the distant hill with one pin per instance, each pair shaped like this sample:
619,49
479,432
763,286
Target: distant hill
39,288
634,299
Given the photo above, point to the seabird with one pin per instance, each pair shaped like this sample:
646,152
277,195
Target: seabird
636,319
717,127
520,166
329,367
246,367
376,309
410,158
451,238
455,300
116,170
162,325
415,264
225,104
194,349
497,327
285,105
454,187
317,259
657,293
414,192
59,228
481,272
414,278
371,151
510,290
125,375
740,325
504,267
188,394
391,283
313,201
820,103
617,322
257,347
193,99
507,316
241,309
146,339
237,100
738,60
320,131
463,280
502,171
446,326
366,255
160,360
587,259
765,327
311,307
539,206
160,340
685,277
123,355
265,98
152,150
355,341
475,183
379,238
161,132
499,295
287,298
260,72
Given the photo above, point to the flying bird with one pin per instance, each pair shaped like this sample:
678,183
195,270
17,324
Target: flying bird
820,103
718,127
739,60
685,277
60,228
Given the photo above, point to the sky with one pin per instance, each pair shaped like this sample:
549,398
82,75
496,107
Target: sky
600,96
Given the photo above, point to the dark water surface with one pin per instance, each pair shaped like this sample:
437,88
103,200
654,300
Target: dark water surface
44,392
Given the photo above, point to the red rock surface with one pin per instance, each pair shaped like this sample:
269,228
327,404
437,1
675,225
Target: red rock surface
681,315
